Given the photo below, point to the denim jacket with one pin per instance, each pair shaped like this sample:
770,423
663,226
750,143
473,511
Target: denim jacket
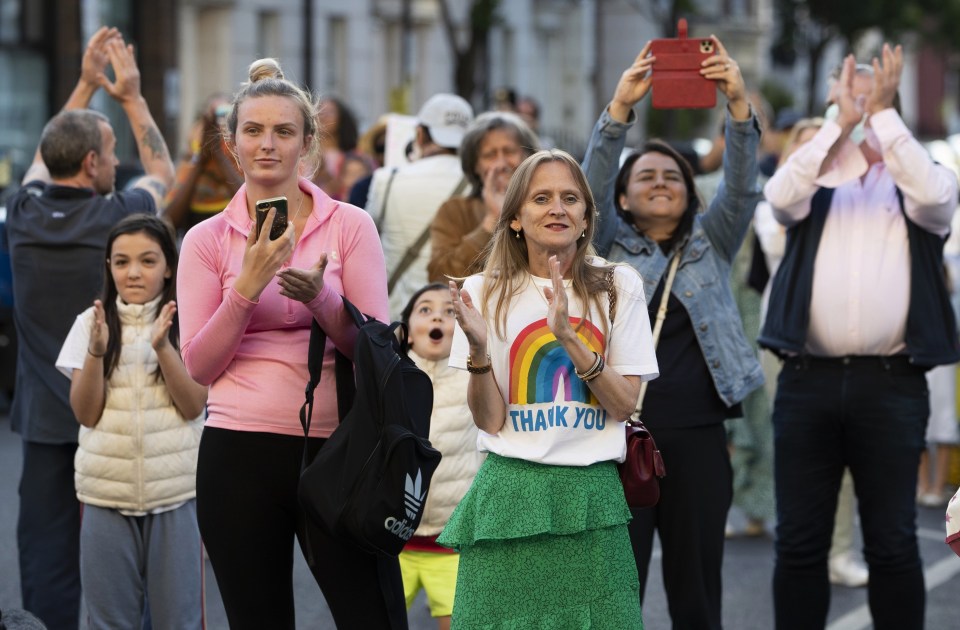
702,283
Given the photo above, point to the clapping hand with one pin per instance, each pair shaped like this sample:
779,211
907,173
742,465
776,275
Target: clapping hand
160,332
303,285
99,333
558,315
95,57
886,79
495,181
841,93
470,320
126,84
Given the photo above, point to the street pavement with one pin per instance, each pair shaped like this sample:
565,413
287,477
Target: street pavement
747,572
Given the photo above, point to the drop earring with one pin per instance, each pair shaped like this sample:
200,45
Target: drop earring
583,234
517,233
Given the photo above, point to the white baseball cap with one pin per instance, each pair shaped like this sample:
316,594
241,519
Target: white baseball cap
447,117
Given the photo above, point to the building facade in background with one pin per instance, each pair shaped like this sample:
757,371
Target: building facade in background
389,55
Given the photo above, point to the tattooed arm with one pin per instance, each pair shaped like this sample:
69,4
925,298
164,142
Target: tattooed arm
125,89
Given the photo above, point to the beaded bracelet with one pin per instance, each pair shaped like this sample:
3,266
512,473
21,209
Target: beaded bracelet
594,370
600,367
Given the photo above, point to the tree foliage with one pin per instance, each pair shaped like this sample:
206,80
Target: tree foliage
807,27
937,22
849,19
471,57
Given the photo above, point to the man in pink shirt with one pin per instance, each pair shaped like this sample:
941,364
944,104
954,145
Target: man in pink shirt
859,310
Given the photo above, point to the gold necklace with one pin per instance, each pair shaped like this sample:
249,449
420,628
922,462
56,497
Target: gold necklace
299,206
294,220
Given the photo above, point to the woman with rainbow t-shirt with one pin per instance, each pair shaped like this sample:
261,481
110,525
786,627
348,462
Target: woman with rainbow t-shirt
556,342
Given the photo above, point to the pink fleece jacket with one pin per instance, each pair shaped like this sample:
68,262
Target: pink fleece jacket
254,354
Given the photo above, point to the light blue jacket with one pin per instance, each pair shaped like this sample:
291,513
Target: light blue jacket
702,283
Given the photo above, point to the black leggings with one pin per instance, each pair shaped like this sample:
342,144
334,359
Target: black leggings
248,514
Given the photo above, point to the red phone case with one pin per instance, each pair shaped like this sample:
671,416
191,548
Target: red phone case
677,83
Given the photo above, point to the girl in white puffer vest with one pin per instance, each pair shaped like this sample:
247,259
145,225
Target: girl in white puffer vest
424,563
141,417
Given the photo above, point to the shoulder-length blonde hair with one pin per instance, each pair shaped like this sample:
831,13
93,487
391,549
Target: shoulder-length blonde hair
507,266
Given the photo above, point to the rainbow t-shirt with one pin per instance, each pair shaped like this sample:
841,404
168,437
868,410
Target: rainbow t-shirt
552,416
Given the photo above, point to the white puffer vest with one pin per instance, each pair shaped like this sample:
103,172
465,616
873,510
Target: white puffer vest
142,454
454,434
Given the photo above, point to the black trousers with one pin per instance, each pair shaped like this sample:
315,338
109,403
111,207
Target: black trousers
48,535
690,519
249,515
868,414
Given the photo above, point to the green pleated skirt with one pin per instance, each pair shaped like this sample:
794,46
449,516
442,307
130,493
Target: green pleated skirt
543,547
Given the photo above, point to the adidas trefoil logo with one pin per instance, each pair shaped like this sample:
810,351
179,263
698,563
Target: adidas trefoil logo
412,497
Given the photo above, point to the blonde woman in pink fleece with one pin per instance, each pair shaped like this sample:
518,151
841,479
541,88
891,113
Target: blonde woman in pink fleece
246,307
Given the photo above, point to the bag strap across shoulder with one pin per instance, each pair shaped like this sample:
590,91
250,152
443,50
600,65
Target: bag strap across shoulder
386,200
346,388
344,369
414,250
611,294
658,323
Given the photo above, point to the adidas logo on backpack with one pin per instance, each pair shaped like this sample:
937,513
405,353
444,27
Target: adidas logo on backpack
412,498
369,482
413,501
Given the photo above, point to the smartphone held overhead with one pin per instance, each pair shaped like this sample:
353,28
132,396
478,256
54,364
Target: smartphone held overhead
279,220
677,82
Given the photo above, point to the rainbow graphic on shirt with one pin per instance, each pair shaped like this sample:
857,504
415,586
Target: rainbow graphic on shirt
539,364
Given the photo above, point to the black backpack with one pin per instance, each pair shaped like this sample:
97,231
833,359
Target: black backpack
369,481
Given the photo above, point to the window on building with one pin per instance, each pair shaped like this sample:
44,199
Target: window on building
337,56
268,34
9,21
24,85
738,8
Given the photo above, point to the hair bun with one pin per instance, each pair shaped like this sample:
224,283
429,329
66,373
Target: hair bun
267,68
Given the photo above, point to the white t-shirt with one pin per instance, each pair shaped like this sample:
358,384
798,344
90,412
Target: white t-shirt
417,191
73,353
552,416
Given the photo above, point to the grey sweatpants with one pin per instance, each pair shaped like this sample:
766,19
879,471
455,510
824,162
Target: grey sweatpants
126,561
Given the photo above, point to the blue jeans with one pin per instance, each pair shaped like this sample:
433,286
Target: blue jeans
868,414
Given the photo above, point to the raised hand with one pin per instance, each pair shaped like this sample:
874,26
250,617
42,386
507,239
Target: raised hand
95,57
469,319
726,72
633,85
494,191
886,79
303,285
126,83
160,332
850,108
558,315
99,333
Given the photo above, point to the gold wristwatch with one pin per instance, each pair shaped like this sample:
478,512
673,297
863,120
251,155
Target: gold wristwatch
478,369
